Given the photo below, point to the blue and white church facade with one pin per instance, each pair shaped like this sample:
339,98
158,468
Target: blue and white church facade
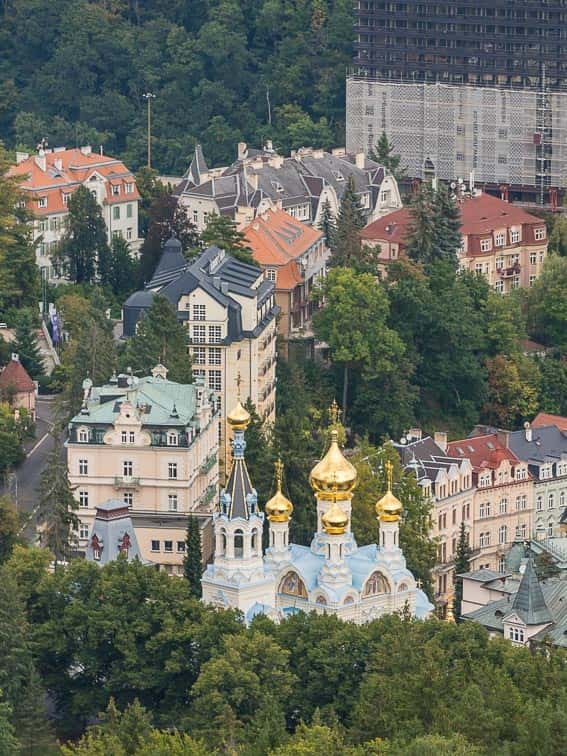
333,574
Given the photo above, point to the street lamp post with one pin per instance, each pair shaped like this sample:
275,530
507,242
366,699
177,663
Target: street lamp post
149,96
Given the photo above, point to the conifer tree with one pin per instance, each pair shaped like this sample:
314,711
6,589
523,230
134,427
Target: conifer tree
422,242
448,220
192,562
383,153
30,718
83,250
123,268
8,742
347,245
327,223
26,345
462,564
159,338
259,453
221,231
56,513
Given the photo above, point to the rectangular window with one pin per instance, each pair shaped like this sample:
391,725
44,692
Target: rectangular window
500,239
271,274
478,268
181,547
124,437
83,499
172,470
129,234
215,334
533,258
172,439
499,286
199,355
83,530
155,545
195,216
214,356
198,375
83,467
485,245
127,468
215,380
539,234
42,202
116,212
65,198
168,546
132,436
199,312
115,190
129,187
129,210
514,237
172,502
128,498
198,334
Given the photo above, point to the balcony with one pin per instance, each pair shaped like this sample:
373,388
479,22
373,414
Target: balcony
514,270
126,481
208,464
208,496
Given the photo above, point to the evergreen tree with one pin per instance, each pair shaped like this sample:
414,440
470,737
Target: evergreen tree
10,527
30,720
56,512
422,242
160,338
383,153
221,231
192,562
260,454
327,223
448,221
165,217
83,250
123,268
347,246
26,346
462,564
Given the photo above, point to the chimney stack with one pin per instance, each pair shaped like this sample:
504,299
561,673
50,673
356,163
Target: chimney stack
528,431
440,438
242,150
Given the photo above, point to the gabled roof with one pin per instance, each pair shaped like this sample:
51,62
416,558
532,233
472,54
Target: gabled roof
288,277
529,602
16,377
484,452
547,444
276,238
393,227
171,263
544,418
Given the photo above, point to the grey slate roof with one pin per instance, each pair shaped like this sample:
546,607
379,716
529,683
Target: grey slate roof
171,262
112,530
529,602
239,486
425,457
483,575
548,444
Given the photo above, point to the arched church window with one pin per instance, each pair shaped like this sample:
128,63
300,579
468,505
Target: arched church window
293,585
238,544
349,600
375,584
402,587
223,542
254,541
321,600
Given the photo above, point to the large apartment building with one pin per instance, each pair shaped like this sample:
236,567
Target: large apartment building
471,87
501,241
448,482
503,499
152,444
48,180
300,185
230,311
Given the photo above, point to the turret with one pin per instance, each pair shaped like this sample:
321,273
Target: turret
278,511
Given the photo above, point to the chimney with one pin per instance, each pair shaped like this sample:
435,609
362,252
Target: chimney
21,156
217,282
414,434
224,287
360,159
86,150
528,431
15,357
503,437
41,160
440,438
242,150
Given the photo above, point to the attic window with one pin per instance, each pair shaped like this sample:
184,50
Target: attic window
490,445
338,175
498,613
459,450
470,448
278,187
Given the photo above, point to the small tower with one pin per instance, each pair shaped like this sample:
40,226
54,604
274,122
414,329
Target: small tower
389,510
237,577
278,511
335,521
333,479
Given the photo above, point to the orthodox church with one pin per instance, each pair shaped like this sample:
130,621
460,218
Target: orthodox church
333,574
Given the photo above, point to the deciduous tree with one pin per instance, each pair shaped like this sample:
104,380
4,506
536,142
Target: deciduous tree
221,231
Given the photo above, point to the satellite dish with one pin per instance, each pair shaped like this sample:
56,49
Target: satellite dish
453,185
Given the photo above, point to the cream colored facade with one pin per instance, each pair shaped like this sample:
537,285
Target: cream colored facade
159,470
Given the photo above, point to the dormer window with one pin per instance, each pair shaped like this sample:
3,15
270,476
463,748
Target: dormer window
539,234
129,188
485,245
83,436
271,274
172,439
42,202
115,190
338,175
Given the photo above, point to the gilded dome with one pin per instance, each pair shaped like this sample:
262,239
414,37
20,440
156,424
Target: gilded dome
335,521
333,469
278,508
389,508
238,418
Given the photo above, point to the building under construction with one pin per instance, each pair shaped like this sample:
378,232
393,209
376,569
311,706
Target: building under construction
468,88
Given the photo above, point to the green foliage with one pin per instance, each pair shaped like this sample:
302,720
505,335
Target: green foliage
10,527
557,239
122,268
463,556
346,245
435,226
221,231
546,566
26,346
513,386
192,562
83,251
12,434
8,742
327,224
553,386
160,338
548,303
383,153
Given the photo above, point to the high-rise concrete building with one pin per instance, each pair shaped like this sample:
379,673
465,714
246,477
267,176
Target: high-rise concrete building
472,87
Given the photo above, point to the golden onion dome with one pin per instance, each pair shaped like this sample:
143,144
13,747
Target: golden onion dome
333,469
239,417
278,508
389,508
335,521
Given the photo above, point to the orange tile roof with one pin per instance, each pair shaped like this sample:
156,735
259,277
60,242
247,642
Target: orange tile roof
15,376
276,238
288,276
392,227
65,170
543,419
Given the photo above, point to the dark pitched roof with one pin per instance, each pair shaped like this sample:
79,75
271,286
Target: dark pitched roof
529,602
546,444
16,376
171,263
239,486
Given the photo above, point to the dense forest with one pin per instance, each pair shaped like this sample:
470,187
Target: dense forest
222,71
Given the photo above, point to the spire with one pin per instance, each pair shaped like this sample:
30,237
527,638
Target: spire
278,508
529,602
239,498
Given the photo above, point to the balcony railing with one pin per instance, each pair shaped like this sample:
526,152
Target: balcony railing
208,496
126,481
514,270
208,464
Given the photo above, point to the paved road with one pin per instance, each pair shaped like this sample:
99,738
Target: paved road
24,482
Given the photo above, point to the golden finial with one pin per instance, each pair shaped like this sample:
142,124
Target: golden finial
389,508
238,382
449,615
334,412
278,508
333,466
389,467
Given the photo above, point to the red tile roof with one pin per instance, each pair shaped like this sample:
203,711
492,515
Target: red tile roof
392,227
288,277
15,376
482,451
543,419
276,238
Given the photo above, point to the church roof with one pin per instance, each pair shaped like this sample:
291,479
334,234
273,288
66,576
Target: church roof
239,486
529,602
